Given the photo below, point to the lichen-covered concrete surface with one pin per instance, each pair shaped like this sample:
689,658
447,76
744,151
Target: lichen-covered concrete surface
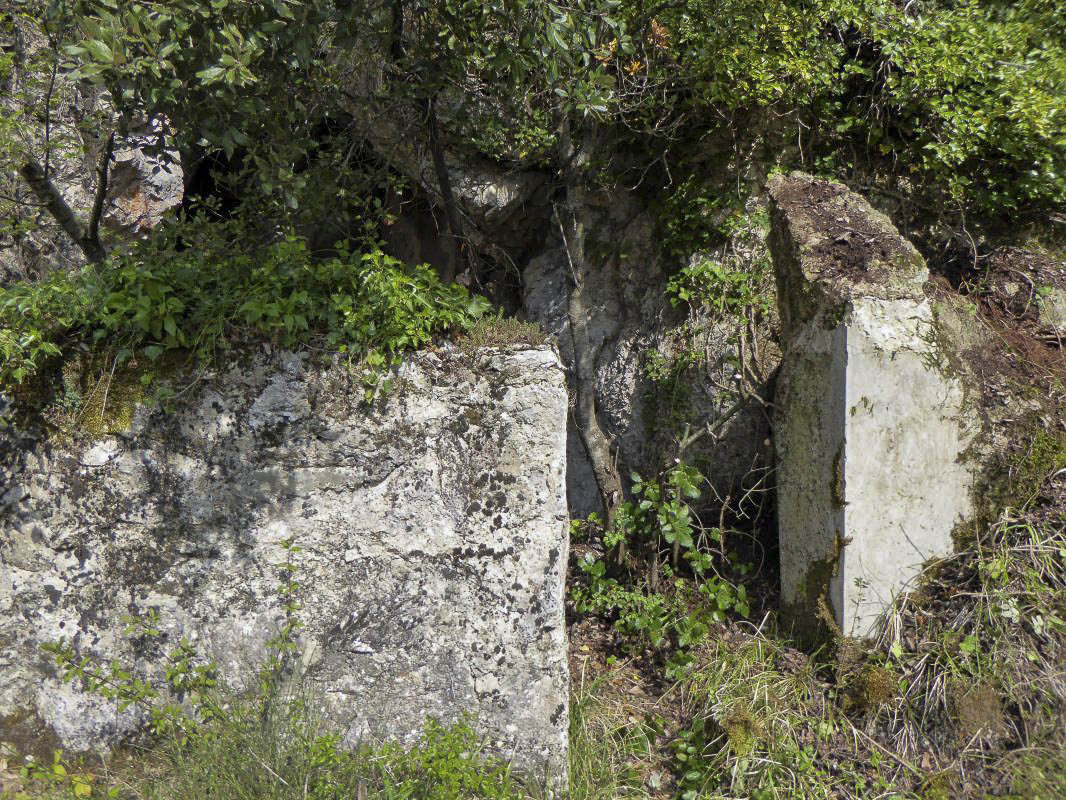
873,427
432,535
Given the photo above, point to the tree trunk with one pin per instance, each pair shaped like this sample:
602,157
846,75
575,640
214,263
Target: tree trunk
87,238
596,444
452,219
451,207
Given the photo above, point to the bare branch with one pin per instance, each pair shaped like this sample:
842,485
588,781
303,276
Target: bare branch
88,239
93,234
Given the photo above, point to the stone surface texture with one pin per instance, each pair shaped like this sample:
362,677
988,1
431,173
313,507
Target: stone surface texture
873,426
510,217
1053,310
432,535
145,183
630,318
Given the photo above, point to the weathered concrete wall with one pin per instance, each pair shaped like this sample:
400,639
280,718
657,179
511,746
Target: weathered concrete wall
432,535
873,426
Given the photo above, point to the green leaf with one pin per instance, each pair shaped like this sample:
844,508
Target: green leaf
211,74
99,51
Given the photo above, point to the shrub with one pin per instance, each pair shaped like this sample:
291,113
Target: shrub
200,286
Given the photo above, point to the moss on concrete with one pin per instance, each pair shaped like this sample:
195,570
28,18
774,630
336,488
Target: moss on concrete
108,396
812,618
1016,479
90,394
976,710
836,488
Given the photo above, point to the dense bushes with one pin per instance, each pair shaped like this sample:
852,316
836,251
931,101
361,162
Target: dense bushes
956,106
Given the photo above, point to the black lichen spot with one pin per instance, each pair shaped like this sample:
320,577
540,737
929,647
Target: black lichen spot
557,715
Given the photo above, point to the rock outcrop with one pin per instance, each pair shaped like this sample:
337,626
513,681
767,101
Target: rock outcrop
631,321
432,536
145,184
874,429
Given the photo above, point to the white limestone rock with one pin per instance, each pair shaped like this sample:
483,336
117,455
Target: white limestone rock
629,318
433,545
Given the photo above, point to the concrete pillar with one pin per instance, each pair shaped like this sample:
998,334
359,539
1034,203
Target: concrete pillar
872,426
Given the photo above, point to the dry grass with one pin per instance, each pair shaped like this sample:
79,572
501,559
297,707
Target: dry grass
980,651
612,750
503,332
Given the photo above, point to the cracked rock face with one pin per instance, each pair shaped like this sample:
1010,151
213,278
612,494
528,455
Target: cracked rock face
629,319
432,535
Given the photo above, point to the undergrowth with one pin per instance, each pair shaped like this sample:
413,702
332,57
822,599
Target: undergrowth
199,286
962,695
979,651
285,754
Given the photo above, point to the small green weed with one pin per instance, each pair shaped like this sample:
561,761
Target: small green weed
736,282
1044,456
667,609
1037,774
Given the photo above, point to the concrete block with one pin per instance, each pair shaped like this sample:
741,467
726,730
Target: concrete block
872,427
433,540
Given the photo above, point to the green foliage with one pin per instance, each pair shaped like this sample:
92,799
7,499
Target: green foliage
217,288
286,755
259,75
729,295
959,105
1017,581
734,284
1039,775
301,761
60,780
985,633
443,767
661,516
34,98
235,74
955,107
